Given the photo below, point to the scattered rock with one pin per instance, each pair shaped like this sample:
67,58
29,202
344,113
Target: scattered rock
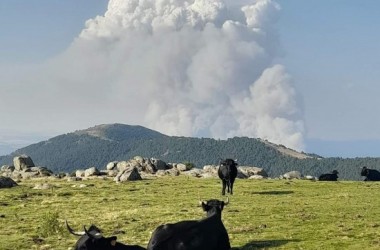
79,173
310,178
93,171
256,177
212,169
250,171
7,168
122,165
124,170
195,172
112,165
129,174
292,175
182,167
74,178
22,162
159,164
43,186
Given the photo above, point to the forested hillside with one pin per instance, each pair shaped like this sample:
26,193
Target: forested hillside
101,144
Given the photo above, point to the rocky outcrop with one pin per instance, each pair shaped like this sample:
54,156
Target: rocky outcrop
24,168
155,167
136,168
129,174
247,172
93,171
22,162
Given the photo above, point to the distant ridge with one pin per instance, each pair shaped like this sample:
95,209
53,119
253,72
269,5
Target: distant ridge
101,144
119,132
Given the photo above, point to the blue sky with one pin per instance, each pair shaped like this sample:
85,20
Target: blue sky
36,30
331,49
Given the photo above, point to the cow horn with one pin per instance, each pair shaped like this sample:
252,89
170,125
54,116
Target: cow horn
72,231
227,201
93,236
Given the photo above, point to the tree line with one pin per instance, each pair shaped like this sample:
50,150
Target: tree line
69,152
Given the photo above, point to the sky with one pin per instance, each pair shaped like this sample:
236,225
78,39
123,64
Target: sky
299,73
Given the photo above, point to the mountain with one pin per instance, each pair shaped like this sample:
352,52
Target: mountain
102,144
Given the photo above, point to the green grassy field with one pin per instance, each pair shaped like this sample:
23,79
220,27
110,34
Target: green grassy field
262,214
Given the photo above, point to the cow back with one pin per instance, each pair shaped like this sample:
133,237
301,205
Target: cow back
328,177
373,175
208,233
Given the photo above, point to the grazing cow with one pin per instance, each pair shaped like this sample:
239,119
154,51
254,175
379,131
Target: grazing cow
205,234
92,239
370,174
227,173
329,177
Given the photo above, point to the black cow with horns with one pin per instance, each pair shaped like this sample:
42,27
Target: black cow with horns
92,239
227,173
370,174
205,234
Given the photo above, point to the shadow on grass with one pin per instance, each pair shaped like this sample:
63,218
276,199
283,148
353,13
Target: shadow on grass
274,192
263,244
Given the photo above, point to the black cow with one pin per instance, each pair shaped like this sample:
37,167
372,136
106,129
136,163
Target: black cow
206,234
329,177
92,239
370,174
227,173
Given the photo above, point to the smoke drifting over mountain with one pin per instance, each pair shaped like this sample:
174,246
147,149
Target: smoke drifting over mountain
192,68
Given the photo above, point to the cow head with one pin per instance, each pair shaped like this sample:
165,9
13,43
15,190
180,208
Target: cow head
228,162
335,172
365,171
92,239
213,206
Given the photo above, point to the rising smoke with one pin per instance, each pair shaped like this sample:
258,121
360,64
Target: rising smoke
190,68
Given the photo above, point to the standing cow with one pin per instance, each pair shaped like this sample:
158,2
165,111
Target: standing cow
370,174
227,173
329,177
206,234
92,239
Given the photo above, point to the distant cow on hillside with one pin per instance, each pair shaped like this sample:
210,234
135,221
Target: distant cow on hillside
370,174
329,177
92,239
205,234
227,173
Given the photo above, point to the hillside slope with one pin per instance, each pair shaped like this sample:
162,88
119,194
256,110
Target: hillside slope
101,144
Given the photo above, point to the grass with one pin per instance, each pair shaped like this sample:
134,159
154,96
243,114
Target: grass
262,214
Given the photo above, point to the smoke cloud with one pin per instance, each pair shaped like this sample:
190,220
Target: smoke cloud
182,67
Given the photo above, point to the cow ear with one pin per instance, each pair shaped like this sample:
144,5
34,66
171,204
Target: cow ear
205,207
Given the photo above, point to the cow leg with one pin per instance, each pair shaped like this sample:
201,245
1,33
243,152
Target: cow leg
224,187
232,185
228,186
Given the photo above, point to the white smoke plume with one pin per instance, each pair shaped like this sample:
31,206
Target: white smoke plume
182,67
